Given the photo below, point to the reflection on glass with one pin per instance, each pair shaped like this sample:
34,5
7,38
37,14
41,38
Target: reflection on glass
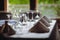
37,17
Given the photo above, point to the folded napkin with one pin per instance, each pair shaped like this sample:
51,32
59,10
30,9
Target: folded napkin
39,28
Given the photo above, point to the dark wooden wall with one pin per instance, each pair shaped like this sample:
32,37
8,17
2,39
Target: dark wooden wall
1,5
33,4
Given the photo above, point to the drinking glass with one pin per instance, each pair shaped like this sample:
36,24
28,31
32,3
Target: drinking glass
23,19
9,16
27,16
37,17
32,15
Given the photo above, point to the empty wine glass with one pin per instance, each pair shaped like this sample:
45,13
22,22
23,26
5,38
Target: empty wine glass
27,16
37,17
23,19
8,15
32,18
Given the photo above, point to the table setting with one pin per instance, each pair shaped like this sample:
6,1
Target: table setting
24,22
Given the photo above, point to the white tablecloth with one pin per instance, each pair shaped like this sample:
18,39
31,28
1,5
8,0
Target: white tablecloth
35,35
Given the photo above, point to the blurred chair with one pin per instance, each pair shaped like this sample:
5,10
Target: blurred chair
3,15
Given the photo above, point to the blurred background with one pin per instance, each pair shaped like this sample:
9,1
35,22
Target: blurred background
49,8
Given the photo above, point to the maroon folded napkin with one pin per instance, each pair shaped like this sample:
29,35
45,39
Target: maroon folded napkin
39,27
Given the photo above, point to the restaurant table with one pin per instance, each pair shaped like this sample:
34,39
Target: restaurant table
51,35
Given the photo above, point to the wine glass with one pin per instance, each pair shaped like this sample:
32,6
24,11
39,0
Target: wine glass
37,17
32,18
23,17
8,15
27,16
21,24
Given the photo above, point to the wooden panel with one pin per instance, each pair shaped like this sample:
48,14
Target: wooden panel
33,4
1,5
5,5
